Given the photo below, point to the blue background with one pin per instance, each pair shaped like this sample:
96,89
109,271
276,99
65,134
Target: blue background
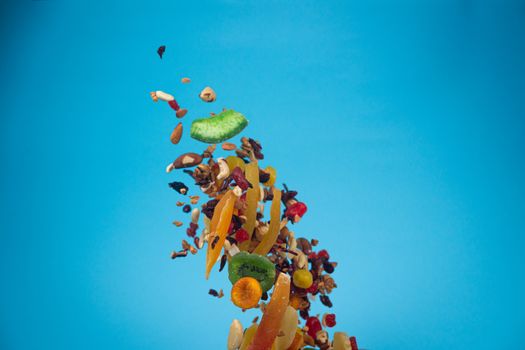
401,125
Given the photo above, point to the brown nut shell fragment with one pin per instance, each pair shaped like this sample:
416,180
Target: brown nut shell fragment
187,160
181,112
176,134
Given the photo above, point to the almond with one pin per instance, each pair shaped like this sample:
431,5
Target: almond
228,146
176,134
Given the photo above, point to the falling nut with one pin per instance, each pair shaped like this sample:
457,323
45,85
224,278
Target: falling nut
181,112
187,160
176,134
177,223
208,95
185,80
228,146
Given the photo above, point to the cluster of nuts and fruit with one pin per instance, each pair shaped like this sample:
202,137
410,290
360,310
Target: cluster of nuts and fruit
246,225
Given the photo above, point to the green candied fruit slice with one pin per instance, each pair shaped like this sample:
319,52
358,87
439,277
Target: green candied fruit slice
252,265
218,128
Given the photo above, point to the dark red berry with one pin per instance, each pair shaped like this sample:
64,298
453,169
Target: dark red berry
353,343
314,326
241,235
329,320
298,208
326,300
323,254
329,268
186,208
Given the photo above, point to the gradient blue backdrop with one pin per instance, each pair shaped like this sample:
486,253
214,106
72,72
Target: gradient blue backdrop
400,124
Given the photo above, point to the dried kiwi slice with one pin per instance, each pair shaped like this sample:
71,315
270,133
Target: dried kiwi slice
218,128
252,265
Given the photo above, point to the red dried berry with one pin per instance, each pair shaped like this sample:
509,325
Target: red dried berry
313,288
312,256
173,104
353,343
298,208
240,179
241,235
323,254
314,326
329,320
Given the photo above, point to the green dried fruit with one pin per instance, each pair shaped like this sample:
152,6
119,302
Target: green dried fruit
219,128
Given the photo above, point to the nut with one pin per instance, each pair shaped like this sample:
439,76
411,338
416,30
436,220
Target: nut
224,170
185,80
176,134
208,95
304,245
181,112
187,160
228,146
195,213
177,223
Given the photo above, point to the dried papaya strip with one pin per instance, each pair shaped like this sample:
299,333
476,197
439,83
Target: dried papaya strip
220,223
273,315
252,198
275,222
248,336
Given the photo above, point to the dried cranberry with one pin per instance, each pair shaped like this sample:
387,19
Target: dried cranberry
173,104
323,254
314,326
353,343
186,208
240,179
241,235
312,256
313,288
264,296
329,320
298,208
213,292
326,300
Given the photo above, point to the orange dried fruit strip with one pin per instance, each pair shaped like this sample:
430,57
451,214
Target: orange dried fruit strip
252,198
220,223
273,315
275,221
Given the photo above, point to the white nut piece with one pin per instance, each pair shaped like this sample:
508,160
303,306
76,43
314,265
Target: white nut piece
170,167
235,335
234,250
164,96
195,213
208,95
237,191
224,170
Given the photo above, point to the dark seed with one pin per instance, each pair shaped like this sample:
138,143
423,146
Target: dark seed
326,300
179,187
263,176
213,292
304,314
215,240
186,208
224,259
328,267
